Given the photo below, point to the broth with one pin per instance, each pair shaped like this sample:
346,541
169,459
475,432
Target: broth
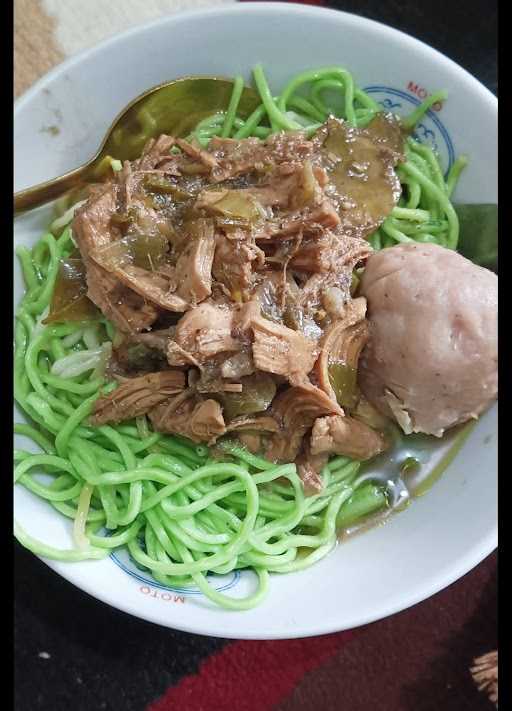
433,457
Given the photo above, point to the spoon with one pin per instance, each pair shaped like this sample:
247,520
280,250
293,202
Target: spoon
173,108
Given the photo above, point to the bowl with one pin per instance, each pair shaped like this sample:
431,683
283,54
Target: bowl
59,123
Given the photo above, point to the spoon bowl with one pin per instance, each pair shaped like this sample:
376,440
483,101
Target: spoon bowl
174,108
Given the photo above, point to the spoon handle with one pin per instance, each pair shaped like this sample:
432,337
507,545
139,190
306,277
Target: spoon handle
46,192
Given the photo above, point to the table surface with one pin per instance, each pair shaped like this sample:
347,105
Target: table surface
72,651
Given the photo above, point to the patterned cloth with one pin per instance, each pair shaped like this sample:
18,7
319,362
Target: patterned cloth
104,660
48,31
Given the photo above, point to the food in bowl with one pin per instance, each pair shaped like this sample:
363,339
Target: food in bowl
432,360
205,351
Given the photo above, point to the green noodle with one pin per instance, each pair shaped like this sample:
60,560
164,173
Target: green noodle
181,514
238,88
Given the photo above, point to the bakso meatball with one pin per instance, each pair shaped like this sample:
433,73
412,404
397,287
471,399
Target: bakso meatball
431,359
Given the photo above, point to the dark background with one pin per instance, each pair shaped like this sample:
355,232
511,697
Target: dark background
103,659
465,31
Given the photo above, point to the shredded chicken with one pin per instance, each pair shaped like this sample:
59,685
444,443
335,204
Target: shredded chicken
202,333
346,436
259,423
309,468
309,221
296,409
194,266
327,253
154,152
235,263
199,421
152,287
91,229
137,396
251,155
340,348
196,152
280,350
241,257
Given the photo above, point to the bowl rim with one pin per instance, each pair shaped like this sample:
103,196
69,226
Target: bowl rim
216,628
255,8
478,551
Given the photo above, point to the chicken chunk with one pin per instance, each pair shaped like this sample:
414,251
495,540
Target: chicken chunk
282,351
345,436
136,396
199,421
296,409
202,333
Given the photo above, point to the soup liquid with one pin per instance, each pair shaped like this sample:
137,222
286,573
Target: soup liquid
433,456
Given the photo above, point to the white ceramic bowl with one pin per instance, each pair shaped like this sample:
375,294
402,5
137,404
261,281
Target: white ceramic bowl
443,534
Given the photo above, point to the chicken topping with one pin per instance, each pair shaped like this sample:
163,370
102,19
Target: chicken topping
346,436
280,350
137,396
234,264
200,421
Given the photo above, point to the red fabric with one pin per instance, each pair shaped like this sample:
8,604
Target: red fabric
250,676
418,659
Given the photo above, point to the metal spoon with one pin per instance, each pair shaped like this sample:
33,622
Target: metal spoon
173,108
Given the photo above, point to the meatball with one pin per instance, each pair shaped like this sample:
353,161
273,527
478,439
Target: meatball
431,359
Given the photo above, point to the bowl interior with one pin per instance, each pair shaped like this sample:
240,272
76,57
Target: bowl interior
444,533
